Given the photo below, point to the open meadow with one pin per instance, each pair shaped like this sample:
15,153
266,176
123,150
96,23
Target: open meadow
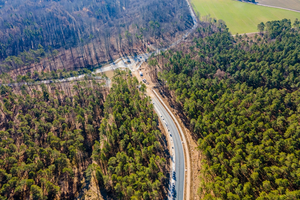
241,17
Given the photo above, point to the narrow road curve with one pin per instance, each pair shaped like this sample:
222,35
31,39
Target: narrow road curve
182,172
176,187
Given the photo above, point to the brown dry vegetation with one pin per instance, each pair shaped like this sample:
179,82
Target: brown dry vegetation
51,35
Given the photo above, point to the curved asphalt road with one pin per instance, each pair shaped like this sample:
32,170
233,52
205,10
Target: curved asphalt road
176,145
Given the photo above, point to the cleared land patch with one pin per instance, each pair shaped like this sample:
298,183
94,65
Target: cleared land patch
241,17
291,4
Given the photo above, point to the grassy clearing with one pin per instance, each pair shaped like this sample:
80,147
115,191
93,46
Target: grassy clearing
291,4
241,17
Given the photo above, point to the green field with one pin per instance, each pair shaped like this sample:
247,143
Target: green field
241,17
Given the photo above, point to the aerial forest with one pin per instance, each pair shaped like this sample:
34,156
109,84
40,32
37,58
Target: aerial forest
240,98
54,138
132,151
72,34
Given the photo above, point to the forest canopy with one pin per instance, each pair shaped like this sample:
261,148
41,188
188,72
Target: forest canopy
240,98
131,150
46,138
54,138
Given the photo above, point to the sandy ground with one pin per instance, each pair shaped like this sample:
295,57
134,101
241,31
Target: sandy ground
146,75
109,74
93,193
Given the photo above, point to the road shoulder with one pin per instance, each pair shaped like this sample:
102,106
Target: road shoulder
187,178
194,154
